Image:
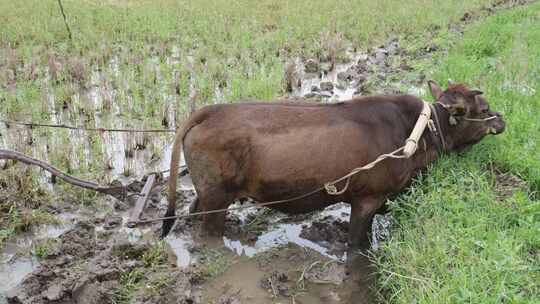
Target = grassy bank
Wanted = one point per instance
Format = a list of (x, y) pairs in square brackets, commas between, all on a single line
[(461, 238)]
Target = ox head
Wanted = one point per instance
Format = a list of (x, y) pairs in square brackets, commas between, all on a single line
[(469, 115)]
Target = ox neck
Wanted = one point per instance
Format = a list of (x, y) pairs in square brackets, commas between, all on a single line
[(440, 128)]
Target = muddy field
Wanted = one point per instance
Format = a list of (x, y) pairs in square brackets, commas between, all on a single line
[(264, 257), (92, 257), (89, 255)]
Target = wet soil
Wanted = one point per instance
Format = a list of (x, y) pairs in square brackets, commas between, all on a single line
[(264, 257), (99, 260), (90, 261), (286, 274)]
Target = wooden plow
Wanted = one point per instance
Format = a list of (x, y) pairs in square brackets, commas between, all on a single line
[(119, 192)]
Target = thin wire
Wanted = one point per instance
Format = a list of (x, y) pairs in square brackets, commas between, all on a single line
[(63, 126)]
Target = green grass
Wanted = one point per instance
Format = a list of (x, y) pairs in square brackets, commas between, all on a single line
[(21, 199), (456, 241), (143, 276), (213, 262), (130, 282)]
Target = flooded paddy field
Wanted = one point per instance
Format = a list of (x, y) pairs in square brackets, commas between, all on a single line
[(265, 256), (38, 265), (439, 242)]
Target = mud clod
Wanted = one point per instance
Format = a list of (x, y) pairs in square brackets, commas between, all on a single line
[(506, 184), (311, 66), (84, 271), (328, 232), (331, 273), (226, 299), (327, 86), (112, 222), (277, 284)]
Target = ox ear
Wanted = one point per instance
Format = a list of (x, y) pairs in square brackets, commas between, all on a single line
[(435, 89)]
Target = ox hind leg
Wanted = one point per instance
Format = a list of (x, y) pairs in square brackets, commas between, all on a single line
[(217, 177), (209, 199), (362, 212)]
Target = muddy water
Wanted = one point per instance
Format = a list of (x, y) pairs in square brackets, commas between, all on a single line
[(280, 263), (291, 274), (289, 233), (17, 258), (285, 279), (13, 270), (303, 257), (380, 70), (290, 261)]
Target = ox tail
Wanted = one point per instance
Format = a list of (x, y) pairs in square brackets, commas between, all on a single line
[(175, 163)]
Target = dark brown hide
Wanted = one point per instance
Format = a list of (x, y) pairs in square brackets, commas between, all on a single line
[(279, 150)]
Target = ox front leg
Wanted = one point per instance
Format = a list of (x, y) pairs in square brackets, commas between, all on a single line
[(362, 212)]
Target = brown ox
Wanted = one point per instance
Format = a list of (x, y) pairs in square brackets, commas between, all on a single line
[(274, 151)]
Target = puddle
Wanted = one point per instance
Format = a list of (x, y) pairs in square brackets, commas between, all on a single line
[(107, 101), (331, 85), (324, 233), (16, 259), (288, 275), (279, 232), (23, 242), (12, 272), (282, 235), (178, 250), (328, 237)]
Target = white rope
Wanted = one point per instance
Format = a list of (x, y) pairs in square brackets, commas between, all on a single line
[(331, 188), (480, 119)]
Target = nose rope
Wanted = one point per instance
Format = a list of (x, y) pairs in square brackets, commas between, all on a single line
[(480, 119), (466, 118)]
